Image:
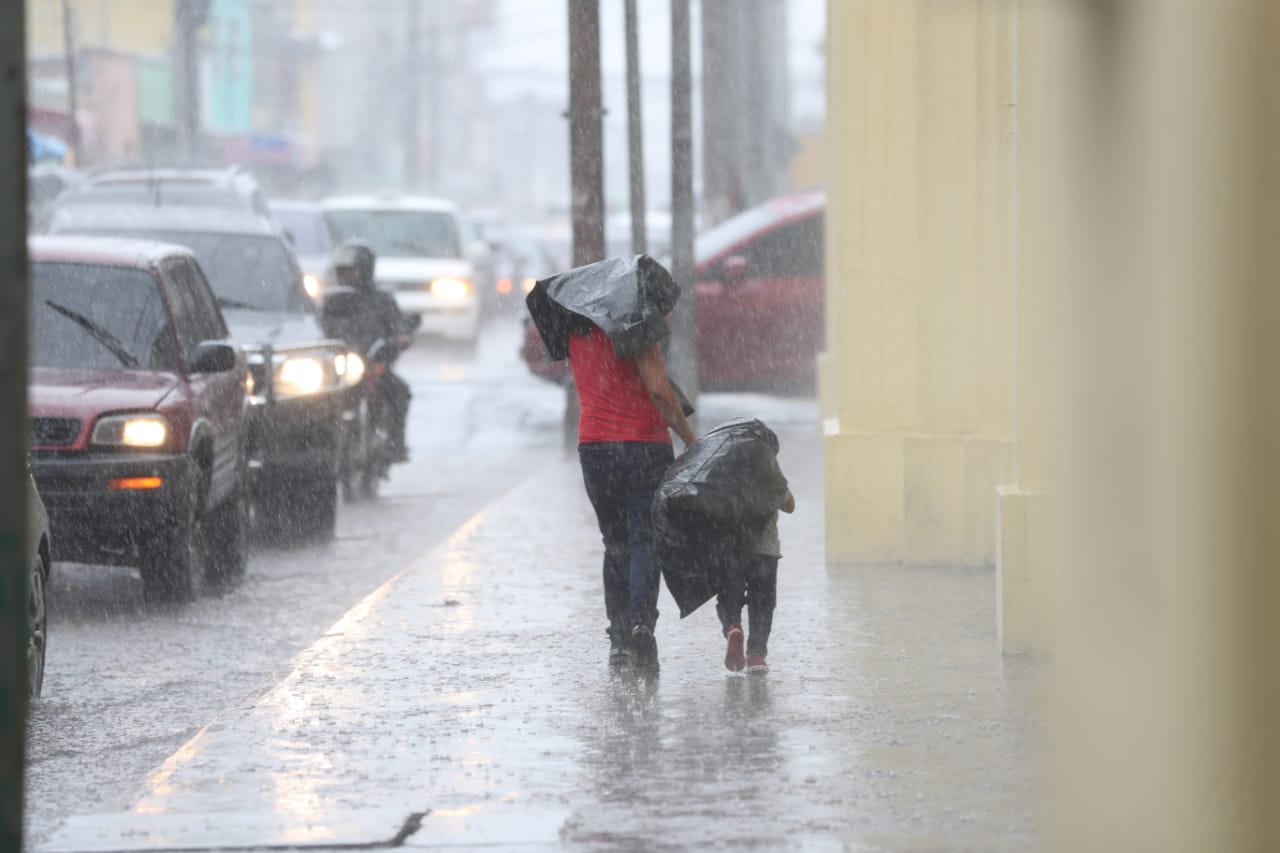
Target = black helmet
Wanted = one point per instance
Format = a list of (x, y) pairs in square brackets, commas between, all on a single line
[(353, 265)]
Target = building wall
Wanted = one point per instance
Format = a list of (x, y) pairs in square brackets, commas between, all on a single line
[(132, 26), (918, 385), (229, 68), (1099, 180)]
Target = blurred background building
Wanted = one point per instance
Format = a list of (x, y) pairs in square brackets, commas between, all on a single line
[(464, 99)]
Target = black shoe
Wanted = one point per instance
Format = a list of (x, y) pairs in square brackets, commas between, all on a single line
[(619, 653), (644, 648)]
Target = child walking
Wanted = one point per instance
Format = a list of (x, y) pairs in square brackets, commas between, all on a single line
[(752, 578)]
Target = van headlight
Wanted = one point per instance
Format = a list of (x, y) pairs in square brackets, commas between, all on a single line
[(451, 288), (138, 432), (311, 284), (299, 376)]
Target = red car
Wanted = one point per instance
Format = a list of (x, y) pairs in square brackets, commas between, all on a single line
[(137, 408), (760, 289)]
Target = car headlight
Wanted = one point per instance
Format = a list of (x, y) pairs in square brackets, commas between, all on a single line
[(297, 377), (350, 366), (311, 284), (136, 431), (450, 288)]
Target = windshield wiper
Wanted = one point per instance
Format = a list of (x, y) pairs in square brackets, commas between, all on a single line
[(109, 341), (236, 303)]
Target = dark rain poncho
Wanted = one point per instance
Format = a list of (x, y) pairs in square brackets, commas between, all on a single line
[(713, 502), (626, 297)]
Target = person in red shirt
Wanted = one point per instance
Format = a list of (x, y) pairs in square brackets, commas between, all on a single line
[(628, 405)]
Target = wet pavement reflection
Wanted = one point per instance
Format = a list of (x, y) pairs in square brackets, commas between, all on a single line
[(473, 690)]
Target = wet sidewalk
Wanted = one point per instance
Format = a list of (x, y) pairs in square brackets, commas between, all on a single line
[(468, 701)]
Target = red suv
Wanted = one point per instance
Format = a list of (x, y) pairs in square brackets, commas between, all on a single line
[(761, 290), (137, 405)]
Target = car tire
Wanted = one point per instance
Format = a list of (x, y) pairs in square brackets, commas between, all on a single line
[(37, 628), (228, 535), (357, 456), (315, 509), (173, 567)]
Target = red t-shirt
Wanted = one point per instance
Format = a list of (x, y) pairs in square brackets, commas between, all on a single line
[(615, 404)]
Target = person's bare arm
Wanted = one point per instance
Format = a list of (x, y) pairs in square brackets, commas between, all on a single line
[(653, 373)]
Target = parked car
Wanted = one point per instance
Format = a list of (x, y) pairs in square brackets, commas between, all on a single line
[(300, 383), (137, 401), (520, 259), (230, 188), (304, 226), (39, 561), (420, 257), (760, 289)]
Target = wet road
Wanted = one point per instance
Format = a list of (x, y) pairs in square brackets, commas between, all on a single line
[(468, 703), (127, 684)]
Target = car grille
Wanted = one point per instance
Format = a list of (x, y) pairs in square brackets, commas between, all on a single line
[(418, 286), (54, 432)]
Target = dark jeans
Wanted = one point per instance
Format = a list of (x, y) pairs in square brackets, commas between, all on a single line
[(621, 478), (754, 579)]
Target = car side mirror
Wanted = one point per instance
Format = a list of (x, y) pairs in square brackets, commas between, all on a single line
[(212, 357), (734, 270)]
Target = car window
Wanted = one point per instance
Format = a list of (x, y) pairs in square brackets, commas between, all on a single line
[(246, 271), (307, 230), (398, 233), (792, 251), (734, 230), (195, 313), (95, 317)]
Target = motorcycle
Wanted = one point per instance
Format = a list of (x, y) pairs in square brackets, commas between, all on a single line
[(367, 451)]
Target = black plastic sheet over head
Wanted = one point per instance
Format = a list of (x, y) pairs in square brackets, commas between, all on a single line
[(712, 505), (628, 298)]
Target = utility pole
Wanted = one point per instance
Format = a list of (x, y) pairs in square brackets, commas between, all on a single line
[(718, 110), (586, 137), (434, 70), (411, 93), (635, 135), (684, 321), (73, 81), (757, 171), (14, 301), (586, 156), (189, 17)]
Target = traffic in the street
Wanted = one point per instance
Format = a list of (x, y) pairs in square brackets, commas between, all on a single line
[(128, 682)]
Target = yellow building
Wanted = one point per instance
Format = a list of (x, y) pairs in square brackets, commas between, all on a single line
[(918, 381), (1051, 346), (133, 26)]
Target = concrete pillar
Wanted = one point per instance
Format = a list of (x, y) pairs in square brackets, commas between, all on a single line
[(1166, 664), (916, 385)]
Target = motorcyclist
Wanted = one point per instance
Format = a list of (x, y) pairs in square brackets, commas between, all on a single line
[(367, 317)]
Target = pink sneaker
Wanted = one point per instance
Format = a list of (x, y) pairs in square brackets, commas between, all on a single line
[(756, 665), (734, 657)]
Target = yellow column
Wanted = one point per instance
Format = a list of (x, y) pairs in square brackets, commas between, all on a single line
[(917, 382), (1167, 654), (1024, 564)]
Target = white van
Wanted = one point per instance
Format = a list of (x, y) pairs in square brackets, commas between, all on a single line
[(421, 259)]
